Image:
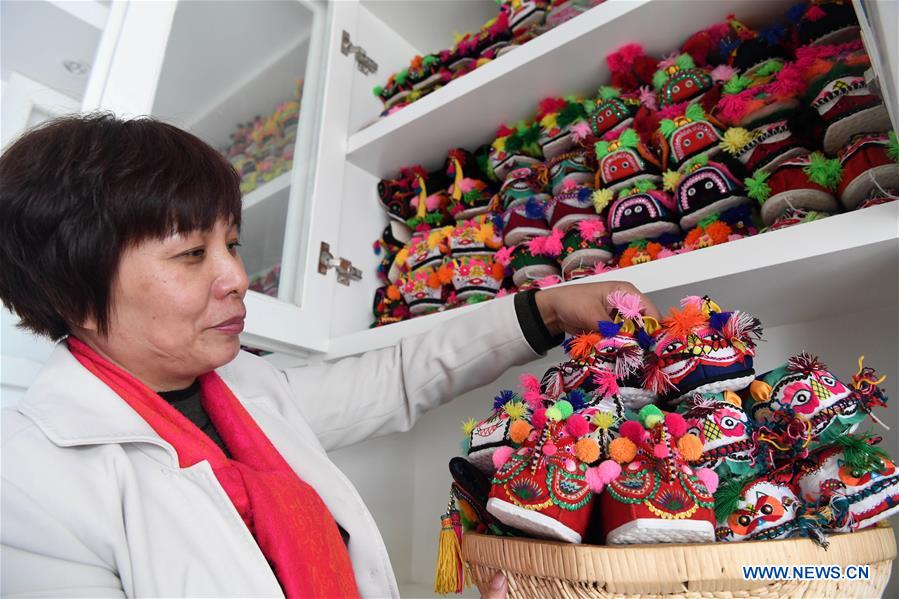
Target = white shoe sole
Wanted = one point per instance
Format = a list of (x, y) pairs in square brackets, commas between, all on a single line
[(655, 530), (531, 521)]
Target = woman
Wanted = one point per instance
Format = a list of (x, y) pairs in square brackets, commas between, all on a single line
[(151, 457)]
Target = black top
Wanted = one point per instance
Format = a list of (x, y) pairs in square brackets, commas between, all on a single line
[(187, 400)]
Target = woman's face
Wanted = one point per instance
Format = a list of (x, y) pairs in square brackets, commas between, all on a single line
[(177, 307)]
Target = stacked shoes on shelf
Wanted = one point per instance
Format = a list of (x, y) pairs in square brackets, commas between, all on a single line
[(262, 149), (657, 432), (735, 133), (516, 22), (439, 250)]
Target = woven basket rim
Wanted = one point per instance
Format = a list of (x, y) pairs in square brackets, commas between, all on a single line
[(699, 563)]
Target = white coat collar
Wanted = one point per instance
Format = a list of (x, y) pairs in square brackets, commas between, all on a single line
[(73, 407)]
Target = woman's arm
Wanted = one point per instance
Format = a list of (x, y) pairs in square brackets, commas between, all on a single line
[(385, 390)]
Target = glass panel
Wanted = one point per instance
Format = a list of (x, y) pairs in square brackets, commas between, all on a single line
[(233, 75)]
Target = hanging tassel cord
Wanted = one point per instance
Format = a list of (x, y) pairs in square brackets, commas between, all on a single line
[(451, 575)]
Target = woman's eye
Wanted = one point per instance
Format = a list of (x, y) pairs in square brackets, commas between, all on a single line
[(232, 247), (194, 253)]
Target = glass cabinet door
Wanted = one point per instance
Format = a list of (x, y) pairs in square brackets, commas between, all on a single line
[(259, 80), (234, 74)]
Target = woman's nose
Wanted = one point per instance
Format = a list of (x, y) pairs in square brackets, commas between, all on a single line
[(231, 277)]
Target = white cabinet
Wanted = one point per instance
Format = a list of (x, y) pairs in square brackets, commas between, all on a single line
[(209, 66)]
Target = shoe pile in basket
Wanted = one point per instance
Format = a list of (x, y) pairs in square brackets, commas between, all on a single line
[(740, 131), (516, 22), (262, 149), (655, 432)]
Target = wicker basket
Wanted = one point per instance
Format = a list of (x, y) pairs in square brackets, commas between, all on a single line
[(547, 569)]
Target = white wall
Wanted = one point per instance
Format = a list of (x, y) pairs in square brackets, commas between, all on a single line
[(424, 486)]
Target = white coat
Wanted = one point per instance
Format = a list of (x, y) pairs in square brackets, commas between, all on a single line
[(94, 503)]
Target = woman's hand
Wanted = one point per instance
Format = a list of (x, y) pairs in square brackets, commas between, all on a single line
[(577, 308), (498, 588)]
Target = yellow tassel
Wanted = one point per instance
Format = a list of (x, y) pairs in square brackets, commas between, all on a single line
[(468, 426), (422, 209), (735, 139), (515, 410), (451, 573), (601, 199), (670, 179), (457, 180), (402, 256)]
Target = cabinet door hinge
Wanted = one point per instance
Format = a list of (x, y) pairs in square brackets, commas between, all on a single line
[(363, 62), (346, 272)]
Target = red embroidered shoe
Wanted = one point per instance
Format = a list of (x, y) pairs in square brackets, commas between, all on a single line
[(542, 488), (869, 163), (652, 495)]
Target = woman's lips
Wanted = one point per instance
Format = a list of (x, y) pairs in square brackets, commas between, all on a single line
[(232, 326)]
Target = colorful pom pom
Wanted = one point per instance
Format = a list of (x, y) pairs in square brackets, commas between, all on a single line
[(675, 424), (633, 430), (577, 426), (501, 455), (554, 413), (622, 450), (539, 418), (601, 199), (708, 478), (519, 431), (690, 447), (564, 408), (651, 415), (587, 450), (661, 450)]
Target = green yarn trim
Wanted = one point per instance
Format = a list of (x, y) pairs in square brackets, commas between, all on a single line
[(823, 171), (736, 84), (659, 79), (756, 188), (667, 127), (378, 90), (695, 112), (601, 148), (572, 112), (607, 92), (860, 454), (684, 62), (402, 76), (893, 147), (770, 67), (629, 138), (727, 497)]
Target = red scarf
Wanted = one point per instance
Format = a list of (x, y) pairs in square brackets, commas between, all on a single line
[(293, 527)]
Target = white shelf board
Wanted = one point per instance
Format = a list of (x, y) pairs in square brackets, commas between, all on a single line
[(266, 191), (569, 59), (844, 263)]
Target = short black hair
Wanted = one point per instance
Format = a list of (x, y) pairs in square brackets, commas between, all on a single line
[(77, 191)]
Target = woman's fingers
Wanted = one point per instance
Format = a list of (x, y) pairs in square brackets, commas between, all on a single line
[(498, 589)]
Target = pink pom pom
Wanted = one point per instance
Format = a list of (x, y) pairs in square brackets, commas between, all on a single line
[(665, 253), (633, 430), (568, 184), (628, 304), (599, 476), (577, 425), (692, 300), (722, 73), (537, 246), (708, 478), (591, 228), (647, 97), (668, 61), (675, 424), (503, 256), (501, 455), (606, 383), (580, 130), (529, 382), (467, 185), (549, 449), (623, 58), (533, 399), (502, 293), (673, 110), (538, 419), (552, 246), (432, 202), (661, 450), (602, 267), (815, 13), (548, 281)]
